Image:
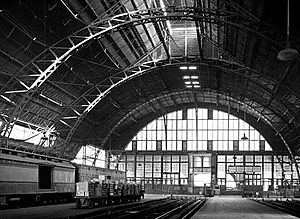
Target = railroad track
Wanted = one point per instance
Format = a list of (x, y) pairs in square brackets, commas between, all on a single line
[(154, 209), (114, 211), (289, 207), (184, 211), (141, 211)]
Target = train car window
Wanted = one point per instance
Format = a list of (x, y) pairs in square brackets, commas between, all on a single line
[(45, 177)]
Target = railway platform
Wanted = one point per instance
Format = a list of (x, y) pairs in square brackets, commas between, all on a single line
[(237, 207)]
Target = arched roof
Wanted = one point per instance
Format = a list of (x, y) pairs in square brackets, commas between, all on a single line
[(98, 71)]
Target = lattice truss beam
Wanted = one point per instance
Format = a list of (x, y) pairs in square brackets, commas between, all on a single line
[(33, 75), (209, 97), (259, 110)]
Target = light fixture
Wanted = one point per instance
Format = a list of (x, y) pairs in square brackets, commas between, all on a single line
[(188, 67), (197, 86), (287, 54), (244, 137), (186, 77), (194, 77), (195, 82), (189, 86), (187, 82)]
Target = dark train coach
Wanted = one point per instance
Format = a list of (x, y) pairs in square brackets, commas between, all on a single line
[(29, 178), (33, 178)]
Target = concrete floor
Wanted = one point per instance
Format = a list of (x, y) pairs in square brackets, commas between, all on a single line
[(237, 207)]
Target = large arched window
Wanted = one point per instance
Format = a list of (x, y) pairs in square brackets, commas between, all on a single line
[(193, 148), (198, 129)]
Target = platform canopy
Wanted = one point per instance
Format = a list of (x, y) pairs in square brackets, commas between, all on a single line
[(97, 71)]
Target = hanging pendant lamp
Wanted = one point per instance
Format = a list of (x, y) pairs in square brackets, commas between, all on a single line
[(244, 137), (287, 54), (244, 103)]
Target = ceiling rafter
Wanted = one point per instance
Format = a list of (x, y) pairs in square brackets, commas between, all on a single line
[(212, 27)]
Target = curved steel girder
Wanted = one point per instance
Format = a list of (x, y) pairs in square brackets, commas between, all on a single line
[(53, 56), (46, 63), (223, 66), (221, 96), (225, 98), (61, 51), (49, 60), (139, 71)]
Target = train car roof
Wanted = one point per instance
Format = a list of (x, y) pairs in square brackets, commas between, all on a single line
[(55, 162), (102, 168)]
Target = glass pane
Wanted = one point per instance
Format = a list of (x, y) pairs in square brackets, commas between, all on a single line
[(223, 133), (157, 158), (206, 162), (148, 158)]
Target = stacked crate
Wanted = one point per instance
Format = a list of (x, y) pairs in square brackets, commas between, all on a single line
[(118, 189), (131, 189), (111, 189), (92, 189), (126, 189), (137, 189), (105, 189), (99, 190)]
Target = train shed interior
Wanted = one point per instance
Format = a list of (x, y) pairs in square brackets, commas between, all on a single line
[(171, 98)]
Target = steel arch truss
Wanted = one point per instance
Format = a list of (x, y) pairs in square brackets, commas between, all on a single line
[(105, 87), (35, 73), (223, 99), (42, 66)]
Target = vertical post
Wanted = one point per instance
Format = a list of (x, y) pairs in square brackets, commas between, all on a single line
[(166, 128), (108, 159), (84, 155), (204, 191), (171, 185)]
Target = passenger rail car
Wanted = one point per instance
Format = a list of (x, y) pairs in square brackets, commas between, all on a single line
[(32, 178), (28, 178)]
